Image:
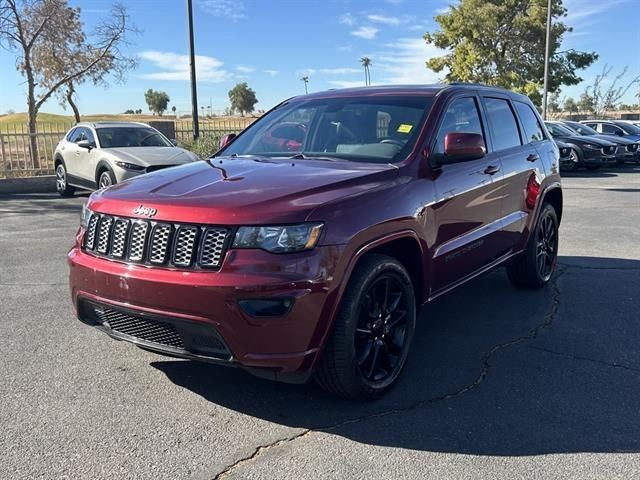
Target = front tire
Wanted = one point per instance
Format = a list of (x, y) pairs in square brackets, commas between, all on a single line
[(372, 333), (106, 179), (535, 266), (62, 183)]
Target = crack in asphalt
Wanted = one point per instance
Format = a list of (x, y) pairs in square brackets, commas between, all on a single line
[(486, 368), (584, 359)]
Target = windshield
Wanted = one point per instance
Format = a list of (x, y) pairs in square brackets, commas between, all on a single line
[(366, 129), (581, 128), (115, 137), (629, 128), (557, 130)]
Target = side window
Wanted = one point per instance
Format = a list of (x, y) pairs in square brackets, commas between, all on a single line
[(73, 135), (503, 124), (594, 126), (88, 135), (612, 129), (461, 116), (530, 124)]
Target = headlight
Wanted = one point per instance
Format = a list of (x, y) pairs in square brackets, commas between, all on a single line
[(84, 217), (129, 166), (279, 239)]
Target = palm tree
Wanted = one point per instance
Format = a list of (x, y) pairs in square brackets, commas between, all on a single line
[(305, 79), (366, 62)]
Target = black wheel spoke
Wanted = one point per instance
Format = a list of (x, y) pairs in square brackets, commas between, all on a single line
[(362, 358), (375, 359)]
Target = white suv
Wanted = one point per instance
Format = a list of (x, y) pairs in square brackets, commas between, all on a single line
[(100, 154)]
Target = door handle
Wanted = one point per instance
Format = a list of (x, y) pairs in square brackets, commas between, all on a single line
[(533, 157), (491, 170)]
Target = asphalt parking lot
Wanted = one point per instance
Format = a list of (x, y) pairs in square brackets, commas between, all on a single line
[(501, 383)]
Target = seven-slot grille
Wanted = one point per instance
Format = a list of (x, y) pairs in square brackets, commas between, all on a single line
[(156, 243)]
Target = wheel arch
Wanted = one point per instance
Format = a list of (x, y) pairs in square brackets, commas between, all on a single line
[(102, 166), (553, 196)]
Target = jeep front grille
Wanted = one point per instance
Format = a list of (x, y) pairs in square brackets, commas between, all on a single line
[(156, 243)]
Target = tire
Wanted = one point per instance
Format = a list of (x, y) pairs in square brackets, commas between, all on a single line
[(366, 353), (575, 160), (106, 178), (62, 184), (526, 270)]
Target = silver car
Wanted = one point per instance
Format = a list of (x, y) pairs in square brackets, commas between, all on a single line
[(100, 154)]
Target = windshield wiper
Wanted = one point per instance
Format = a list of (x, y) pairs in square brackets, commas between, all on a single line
[(302, 156)]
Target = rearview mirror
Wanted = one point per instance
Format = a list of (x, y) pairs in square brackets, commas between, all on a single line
[(226, 139), (459, 147), (85, 144)]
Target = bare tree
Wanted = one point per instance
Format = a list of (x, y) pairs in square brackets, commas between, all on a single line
[(606, 95), (52, 51)]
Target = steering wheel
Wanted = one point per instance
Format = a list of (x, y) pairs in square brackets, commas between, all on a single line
[(392, 142)]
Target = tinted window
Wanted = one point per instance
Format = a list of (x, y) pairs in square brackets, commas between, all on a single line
[(557, 130), (114, 137), (73, 135), (503, 124), (629, 128), (461, 116), (606, 128), (581, 128), (88, 135), (366, 129), (530, 124)]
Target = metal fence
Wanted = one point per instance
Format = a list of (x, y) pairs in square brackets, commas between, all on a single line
[(16, 159)]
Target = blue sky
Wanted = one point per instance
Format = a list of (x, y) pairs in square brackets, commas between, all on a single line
[(271, 43)]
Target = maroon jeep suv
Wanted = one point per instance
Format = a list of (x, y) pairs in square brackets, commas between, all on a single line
[(305, 247)]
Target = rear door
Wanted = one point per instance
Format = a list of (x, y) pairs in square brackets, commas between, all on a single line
[(467, 209), (520, 165)]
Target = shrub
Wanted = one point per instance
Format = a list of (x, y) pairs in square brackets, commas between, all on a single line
[(205, 146)]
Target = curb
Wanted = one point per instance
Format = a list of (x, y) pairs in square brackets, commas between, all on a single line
[(43, 184)]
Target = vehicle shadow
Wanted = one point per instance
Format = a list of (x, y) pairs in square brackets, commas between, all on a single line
[(37, 203), (493, 371)]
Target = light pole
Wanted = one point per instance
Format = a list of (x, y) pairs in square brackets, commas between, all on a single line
[(546, 63), (192, 64)]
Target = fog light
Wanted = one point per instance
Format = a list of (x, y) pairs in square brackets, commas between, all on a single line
[(266, 307)]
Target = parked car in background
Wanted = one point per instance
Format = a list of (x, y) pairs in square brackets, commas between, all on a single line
[(589, 152), (100, 154), (306, 246), (628, 150), (565, 152), (619, 128)]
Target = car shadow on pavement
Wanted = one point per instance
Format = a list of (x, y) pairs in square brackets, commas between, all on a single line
[(493, 371)]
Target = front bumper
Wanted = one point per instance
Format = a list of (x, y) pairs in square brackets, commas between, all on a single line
[(206, 304), (596, 157)]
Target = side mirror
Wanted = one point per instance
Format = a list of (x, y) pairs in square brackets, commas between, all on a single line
[(174, 142), (620, 133), (459, 147), (85, 144), (226, 139)]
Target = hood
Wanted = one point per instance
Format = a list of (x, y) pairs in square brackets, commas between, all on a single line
[(616, 139), (228, 191), (586, 139), (147, 156)]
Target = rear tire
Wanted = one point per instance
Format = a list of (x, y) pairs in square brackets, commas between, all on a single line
[(62, 183), (535, 266), (372, 333)]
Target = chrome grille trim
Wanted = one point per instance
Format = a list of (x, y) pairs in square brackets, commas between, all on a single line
[(213, 245), (156, 243)]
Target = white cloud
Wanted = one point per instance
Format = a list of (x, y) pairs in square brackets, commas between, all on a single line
[(339, 71), (403, 62), (174, 66), (347, 83), (384, 19), (232, 9), (273, 73), (347, 19), (367, 33), (245, 69)]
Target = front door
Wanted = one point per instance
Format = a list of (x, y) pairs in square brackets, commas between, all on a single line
[(468, 207)]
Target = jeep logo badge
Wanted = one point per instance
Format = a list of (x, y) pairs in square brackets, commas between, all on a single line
[(145, 211)]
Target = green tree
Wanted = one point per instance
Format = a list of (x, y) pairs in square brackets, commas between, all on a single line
[(570, 105), (502, 42), (585, 102), (53, 52), (242, 98), (157, 101)]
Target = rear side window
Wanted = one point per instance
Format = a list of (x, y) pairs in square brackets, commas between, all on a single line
[(461, 116), (503, 124), (530, 124)]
